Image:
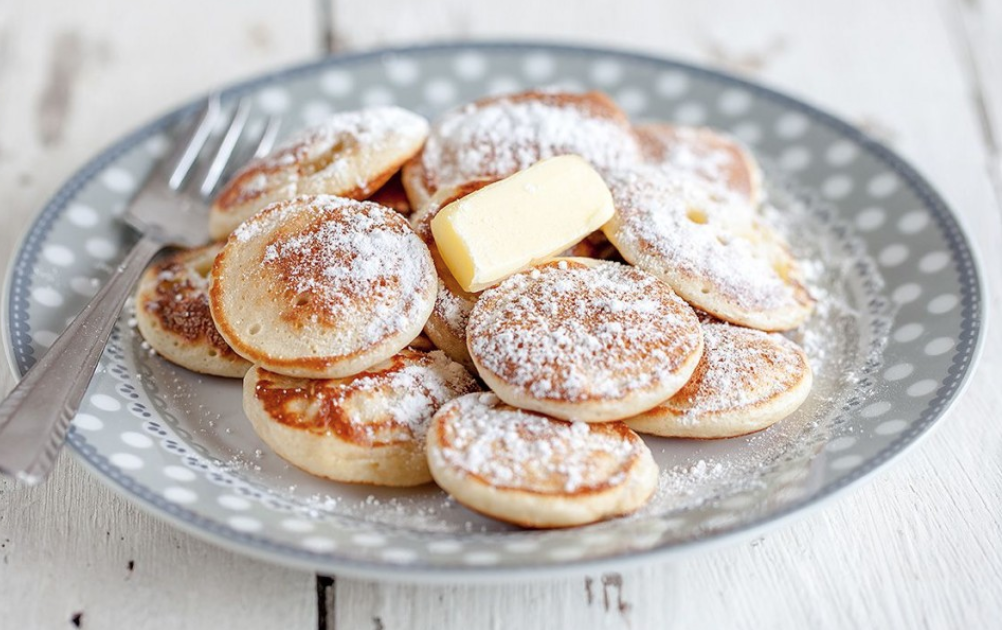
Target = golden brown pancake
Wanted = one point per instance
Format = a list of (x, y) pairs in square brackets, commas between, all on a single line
[(172, 313), (322, 287), (535, 471), (746, 381), (352, 154), (367, 428), (583, 339), (499, 136), (715, 253), (708, 156)]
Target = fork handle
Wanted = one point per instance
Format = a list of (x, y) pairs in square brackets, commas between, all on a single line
[(35, 416)]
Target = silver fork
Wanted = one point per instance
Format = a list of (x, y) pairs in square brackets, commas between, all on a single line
[(35, 416)]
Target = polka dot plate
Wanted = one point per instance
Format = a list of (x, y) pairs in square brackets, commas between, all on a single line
[(894, 338)]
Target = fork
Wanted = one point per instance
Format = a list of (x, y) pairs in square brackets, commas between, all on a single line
[(170, 209)]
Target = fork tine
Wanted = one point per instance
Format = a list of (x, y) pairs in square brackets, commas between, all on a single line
[(268, 136), (226, 146), (261, 137), (185, 153)]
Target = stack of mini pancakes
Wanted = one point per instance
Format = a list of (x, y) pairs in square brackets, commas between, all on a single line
[(364, 360)]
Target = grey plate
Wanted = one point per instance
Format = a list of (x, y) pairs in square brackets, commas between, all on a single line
[(894, 339)]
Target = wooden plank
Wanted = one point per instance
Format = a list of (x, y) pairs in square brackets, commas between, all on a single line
[(75, 76), (976, 25), (917, 547)]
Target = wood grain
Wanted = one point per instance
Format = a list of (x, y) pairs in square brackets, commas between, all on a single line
[(74, 77)]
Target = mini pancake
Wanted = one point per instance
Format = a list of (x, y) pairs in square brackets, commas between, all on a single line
[(322, 287), (715, 253), (172, 313), (499, 136), (367, 428), (713, 158), (584, 339), (746, 381), (350, 155), (534, 471), (446, 326)]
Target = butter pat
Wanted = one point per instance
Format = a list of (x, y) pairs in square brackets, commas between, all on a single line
[(521, 220)]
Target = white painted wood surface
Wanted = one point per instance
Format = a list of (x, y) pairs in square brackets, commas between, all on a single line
[(74, 77), (918, 547)]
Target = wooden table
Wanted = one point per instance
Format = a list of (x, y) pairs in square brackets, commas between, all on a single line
[(919, 547)]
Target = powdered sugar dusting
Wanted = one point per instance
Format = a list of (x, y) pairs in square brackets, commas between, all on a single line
[(567, 331), (739, 367), (392, 402), (682, 232), (501, 137), (354, 262), (419, 388), (843, 340), (346, 148), (350, 154), (703, 155), (517, 449), (453, 309)]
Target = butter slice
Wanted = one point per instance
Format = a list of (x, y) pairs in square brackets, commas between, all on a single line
[(521, 220)]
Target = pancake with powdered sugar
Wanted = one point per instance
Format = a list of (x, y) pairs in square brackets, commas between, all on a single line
[(367, 428), (746, 381), (719, 161), (351, 154), (531, 470), (498, 136), (172, 313), (446, 327), (715, 252), (322, 287), (584, 339)]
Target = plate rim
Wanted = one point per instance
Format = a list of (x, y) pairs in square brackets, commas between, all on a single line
[(973, 324)]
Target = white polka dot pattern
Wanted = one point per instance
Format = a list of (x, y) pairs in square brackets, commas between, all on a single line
[(734, 102), (47, 296), (273, 100), (59, 255), (319, 544), (795, 158), (177, 494), (672, 84), (82, 216), (841, 153), (690, 114), (870, 219), (119, 180), (402, 71), (440, 92), (337, 83)]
